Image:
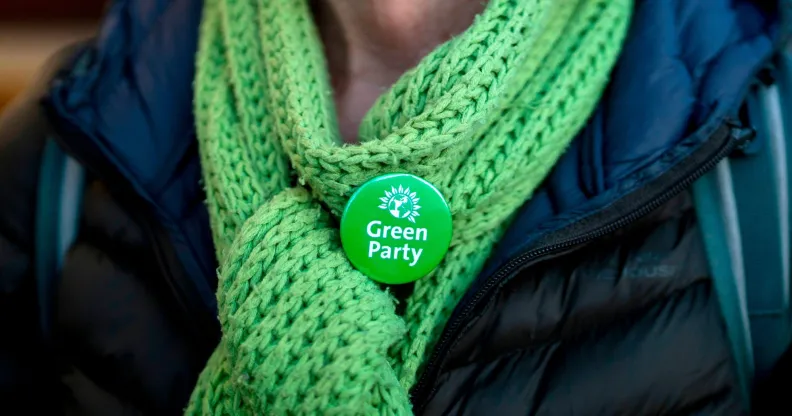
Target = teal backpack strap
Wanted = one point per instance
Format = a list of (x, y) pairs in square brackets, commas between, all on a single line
[(58, 207), (744, 213), (716, 209), (761, 186)]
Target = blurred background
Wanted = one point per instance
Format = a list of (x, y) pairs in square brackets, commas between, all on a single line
[(32, 30)]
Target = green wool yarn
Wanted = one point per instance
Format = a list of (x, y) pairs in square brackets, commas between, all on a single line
[(484, 117)]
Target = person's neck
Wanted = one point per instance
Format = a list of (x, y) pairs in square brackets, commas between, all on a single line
[(369, 44)]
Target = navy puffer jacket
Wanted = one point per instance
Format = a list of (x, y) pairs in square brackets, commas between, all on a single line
[(600, 299)]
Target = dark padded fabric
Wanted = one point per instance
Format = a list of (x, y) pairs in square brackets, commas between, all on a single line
[(629, 325), (121, 343), (25, 361), (125, 109), (120, 332)]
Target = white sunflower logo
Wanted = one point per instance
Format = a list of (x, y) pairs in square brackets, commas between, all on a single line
[(401, 203)]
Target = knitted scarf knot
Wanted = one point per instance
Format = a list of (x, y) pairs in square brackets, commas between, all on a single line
[(484, 117)]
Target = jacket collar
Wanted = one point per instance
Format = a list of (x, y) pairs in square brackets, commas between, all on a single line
[(125, 110)]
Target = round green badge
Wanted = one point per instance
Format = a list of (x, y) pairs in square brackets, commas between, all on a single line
[(396, 228)]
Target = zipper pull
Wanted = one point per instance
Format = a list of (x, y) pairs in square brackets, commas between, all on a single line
[(743, 135)]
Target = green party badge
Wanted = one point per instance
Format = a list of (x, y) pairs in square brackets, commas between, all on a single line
[(396, 228)]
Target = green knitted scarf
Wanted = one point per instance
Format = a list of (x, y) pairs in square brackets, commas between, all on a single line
[(484, 117)]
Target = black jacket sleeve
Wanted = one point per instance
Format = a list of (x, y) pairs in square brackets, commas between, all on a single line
[(119, 344), (25, 372), (28, 371)]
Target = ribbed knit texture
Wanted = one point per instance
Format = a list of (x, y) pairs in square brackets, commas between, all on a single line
[(484, 117)]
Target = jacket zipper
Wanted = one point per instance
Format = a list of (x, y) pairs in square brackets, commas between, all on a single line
[(738, 137)]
